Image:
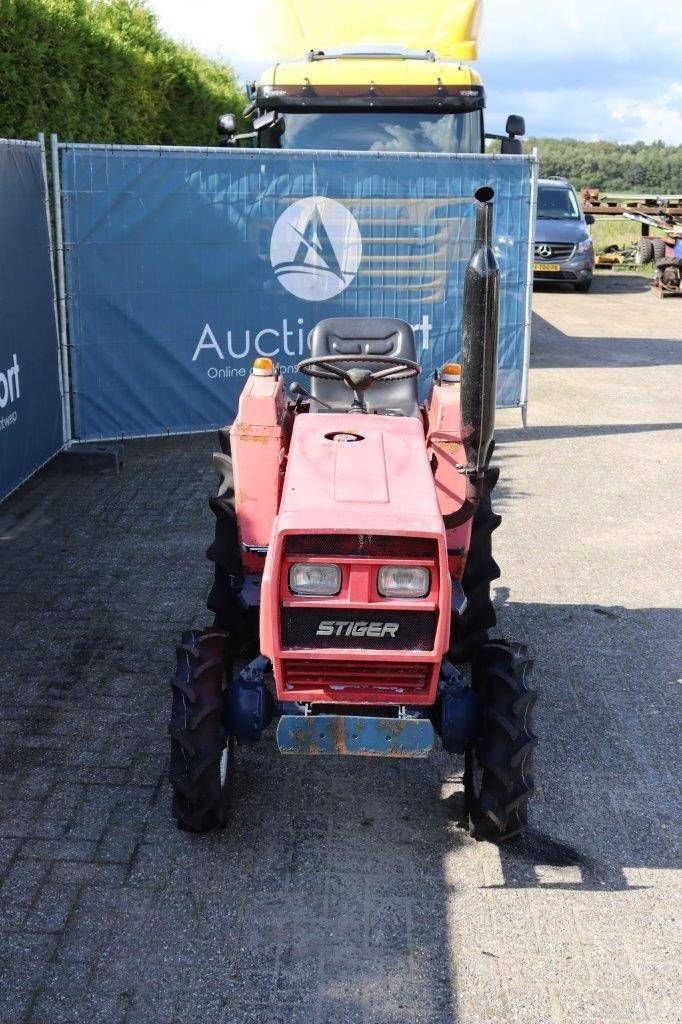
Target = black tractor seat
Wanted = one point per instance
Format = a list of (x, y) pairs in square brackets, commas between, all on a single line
[(365, 336)]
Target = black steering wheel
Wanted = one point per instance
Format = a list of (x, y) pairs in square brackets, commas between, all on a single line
[(357, 378)]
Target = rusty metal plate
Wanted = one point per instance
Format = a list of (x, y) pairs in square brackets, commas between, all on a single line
[(358, 735)]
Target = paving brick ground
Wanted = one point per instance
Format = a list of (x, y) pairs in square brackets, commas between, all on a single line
[(345, 891)]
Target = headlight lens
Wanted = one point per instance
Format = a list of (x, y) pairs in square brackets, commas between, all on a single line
[(584, 245), (403, 581), (315, 580)]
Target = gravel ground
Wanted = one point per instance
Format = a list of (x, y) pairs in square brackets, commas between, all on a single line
[(345, 890)]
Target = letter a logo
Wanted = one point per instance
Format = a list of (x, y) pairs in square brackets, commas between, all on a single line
[(316, 248)]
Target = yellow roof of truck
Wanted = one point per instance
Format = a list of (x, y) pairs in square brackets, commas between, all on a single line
[(384, 70), (448, 28)]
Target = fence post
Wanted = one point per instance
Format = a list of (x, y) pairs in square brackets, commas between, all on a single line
[(529, 288), (50, 234), (64, 364)]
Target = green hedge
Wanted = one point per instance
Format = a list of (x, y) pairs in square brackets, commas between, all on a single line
[(102, 71)]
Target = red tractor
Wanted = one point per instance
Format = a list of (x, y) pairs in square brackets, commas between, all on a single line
[(353, 565)]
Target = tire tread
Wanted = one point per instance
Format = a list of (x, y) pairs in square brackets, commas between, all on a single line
[(504, 750)]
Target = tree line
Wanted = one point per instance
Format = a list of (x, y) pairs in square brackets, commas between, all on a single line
[(102, 71), (612, 166)]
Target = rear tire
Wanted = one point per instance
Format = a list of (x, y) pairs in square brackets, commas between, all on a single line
[(498, 771), (644, 251), (659, 248), (470, 630), (224, 599), (201, 755)]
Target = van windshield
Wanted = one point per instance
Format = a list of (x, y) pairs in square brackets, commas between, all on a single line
[(381, 131), (557, 203)]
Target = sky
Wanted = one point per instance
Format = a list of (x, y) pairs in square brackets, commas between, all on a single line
[(609, 69)]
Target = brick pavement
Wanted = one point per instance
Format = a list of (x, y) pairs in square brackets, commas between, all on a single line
[(345, 891)]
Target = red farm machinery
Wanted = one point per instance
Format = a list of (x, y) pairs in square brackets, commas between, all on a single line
[(353, 563)]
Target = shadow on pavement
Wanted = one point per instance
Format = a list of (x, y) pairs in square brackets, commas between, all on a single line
[(505, 435), (550, 347), (607, 724), (602, 284)]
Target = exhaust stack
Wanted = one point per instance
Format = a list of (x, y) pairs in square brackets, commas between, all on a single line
[(480, 317)]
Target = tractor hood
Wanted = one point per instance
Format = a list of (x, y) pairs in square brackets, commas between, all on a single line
[(380, 482), (291, 28)]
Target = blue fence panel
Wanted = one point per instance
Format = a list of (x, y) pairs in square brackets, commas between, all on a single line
[(184, 265), (30, 403)]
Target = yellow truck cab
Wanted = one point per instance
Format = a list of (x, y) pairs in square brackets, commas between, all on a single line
[(412, 94)]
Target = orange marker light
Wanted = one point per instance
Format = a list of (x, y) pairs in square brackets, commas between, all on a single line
[(452, 373), (263, 367)]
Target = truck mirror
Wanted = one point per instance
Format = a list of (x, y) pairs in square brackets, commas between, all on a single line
[(516, 125), (589, 218), (226, 124), (267, 120), (513, 146)]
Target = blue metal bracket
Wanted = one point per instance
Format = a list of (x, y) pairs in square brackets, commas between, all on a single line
[(248, 706), (250, 592), (457, 711), (358, 735), (458, 601)]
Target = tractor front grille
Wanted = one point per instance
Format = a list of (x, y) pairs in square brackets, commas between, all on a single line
[(361, 545), (389, 678), (366, 629)]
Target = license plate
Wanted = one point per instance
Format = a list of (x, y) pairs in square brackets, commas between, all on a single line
[(551, 267)]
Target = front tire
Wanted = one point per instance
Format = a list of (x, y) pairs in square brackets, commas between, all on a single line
[(498, 771), (201, 755), (584, 286)]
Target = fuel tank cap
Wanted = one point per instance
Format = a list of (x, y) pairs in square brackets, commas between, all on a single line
[(342, 436)]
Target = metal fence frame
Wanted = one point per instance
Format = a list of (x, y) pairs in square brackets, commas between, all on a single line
[(529, 292), (61, 300), (60, 290), (39, 142)]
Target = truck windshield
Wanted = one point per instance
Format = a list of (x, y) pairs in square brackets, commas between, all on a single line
[(380, 131), (557, 203)]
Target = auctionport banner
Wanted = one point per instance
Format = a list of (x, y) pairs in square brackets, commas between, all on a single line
[(183, 266), (30, 405)]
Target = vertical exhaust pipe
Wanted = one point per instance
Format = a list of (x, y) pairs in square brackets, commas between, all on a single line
[(478, 389), (480, 316)]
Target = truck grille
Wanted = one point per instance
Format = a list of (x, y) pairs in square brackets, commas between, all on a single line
[(367, 629), (558, 251), (332, 676)]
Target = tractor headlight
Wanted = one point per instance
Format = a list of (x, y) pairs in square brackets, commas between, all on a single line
[(403, 581), (585, 245), (314, 580)]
